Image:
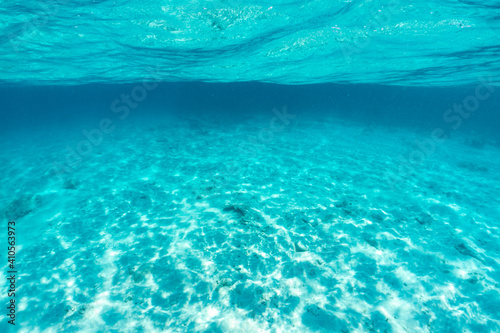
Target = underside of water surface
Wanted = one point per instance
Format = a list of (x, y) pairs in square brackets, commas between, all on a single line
[(432, 43), (258, 166)]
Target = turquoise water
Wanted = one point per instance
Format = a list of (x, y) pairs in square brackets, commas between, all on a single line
[(435, 43), (229, 166)]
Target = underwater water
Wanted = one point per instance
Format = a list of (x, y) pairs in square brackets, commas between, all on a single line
[(271, 166)]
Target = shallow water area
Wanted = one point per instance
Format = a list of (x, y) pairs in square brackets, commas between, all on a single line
[(260, 166), (301, 234)]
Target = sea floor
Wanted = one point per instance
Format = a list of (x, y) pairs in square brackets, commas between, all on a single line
[(248, 225)]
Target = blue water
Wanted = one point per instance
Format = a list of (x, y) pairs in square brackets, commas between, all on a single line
[(436, 43), (272, 166)]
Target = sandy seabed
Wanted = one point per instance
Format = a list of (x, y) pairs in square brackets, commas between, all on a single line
[(202, 225)]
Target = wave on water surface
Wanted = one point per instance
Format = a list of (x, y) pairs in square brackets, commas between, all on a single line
[(287, 42)]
